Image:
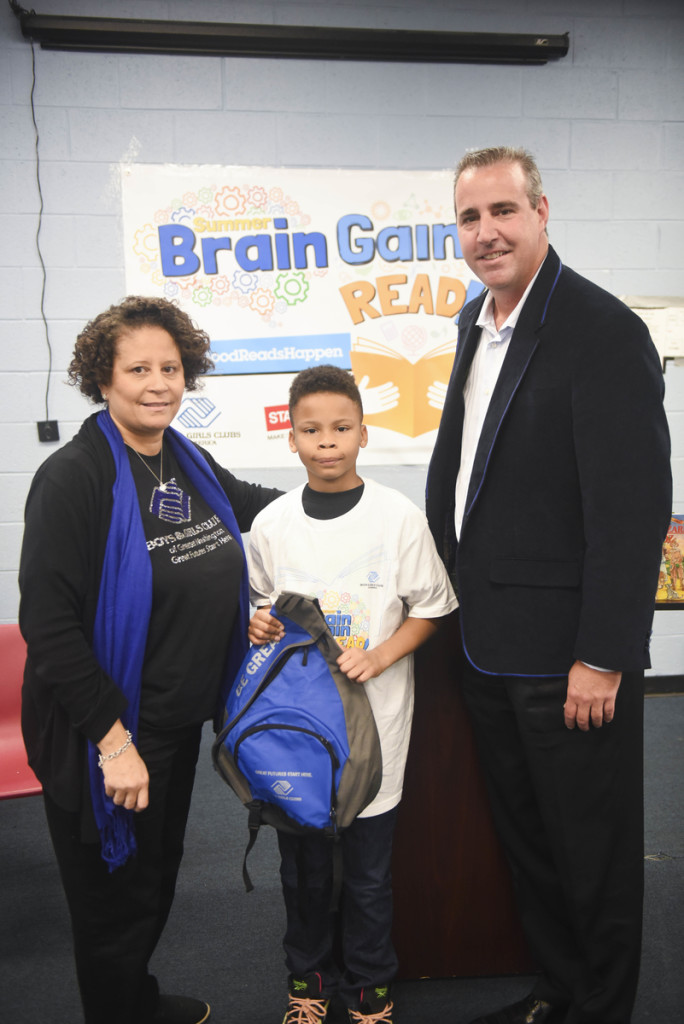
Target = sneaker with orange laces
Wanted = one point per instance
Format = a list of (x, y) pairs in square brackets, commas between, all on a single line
[(375, 1007), (306, 1004)]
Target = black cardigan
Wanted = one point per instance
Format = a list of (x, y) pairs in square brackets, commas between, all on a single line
[(67, 698)]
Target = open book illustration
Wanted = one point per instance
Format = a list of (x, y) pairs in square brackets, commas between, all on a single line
[(671, 580), (415, 388)]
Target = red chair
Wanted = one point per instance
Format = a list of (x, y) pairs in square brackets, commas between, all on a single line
[(16, 778)]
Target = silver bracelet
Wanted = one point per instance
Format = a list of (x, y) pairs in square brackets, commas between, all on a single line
[(115, 753)]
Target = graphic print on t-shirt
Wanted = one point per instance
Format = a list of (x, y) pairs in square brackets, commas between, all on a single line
[(347, 617), (192, 541), (350, 599), (170, 503)]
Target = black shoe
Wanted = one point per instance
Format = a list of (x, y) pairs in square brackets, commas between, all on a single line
[(529, 1010), (180, 1010)]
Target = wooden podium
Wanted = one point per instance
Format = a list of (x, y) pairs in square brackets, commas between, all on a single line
[(454, 914)]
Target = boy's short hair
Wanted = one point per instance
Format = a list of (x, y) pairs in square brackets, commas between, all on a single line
[(325, 377)]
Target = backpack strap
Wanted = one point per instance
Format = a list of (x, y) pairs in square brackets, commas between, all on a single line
[(253, 824)]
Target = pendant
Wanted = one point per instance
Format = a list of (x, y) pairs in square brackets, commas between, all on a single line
[(170, 503)]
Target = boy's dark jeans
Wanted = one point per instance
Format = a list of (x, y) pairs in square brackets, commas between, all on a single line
[(352, 949)]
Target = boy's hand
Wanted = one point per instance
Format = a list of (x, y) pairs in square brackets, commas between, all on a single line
[(264, 628), (361, 665)]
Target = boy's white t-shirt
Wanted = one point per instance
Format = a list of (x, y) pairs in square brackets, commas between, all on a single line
[(369, 569)]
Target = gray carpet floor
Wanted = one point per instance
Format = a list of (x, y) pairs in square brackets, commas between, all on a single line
[(223, 945)]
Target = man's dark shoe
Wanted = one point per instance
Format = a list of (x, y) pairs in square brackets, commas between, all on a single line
[(529, 1010), (180, 1010)]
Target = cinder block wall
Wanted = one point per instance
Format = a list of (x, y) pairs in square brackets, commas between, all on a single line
[(606, 124)]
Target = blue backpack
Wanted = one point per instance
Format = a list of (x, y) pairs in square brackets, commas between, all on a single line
[(299, 745)]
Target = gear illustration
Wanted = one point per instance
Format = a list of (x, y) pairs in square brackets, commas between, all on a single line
[(202, 296), (293, 288)]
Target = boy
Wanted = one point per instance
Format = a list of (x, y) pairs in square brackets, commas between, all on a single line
[(366, 553)]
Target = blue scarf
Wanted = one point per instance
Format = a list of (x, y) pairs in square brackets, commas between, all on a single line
[(124, 607)]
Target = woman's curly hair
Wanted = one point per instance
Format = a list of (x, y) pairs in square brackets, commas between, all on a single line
[(95, 350)]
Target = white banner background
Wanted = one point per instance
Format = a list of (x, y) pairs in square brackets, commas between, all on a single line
[(288, 268)]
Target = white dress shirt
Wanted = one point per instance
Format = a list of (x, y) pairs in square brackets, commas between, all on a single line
[(477, 393)]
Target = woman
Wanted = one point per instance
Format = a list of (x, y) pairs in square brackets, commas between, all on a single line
[(134, 608)]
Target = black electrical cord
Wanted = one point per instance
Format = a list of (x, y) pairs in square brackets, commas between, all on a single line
[(38, 230), (19, 10)]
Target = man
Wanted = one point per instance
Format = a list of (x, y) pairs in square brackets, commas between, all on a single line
[(551, 522)]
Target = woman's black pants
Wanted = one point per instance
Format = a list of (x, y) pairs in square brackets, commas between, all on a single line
[(118, 917)]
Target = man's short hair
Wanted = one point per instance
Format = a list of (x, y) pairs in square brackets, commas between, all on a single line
[(331, 379), (505, 154)]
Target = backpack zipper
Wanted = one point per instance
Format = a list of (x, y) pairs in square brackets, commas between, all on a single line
[(325, 743), (283, 657)]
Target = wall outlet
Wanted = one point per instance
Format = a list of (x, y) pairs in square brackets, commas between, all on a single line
[(48, 430)]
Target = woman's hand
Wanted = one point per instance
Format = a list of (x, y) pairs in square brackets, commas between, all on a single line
[(264, 628), (126, 779)]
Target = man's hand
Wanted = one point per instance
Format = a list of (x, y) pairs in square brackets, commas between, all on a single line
[(264, 628), (591, 696)]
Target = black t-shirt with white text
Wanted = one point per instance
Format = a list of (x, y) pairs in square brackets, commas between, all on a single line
[(196, 572)]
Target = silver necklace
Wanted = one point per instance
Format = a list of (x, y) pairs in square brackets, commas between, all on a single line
[(160, 478), (169, 502)]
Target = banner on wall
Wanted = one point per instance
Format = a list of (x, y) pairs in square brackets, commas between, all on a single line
[(293, 268)]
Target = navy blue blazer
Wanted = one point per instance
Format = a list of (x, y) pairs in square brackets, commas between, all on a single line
[(570, 496)]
